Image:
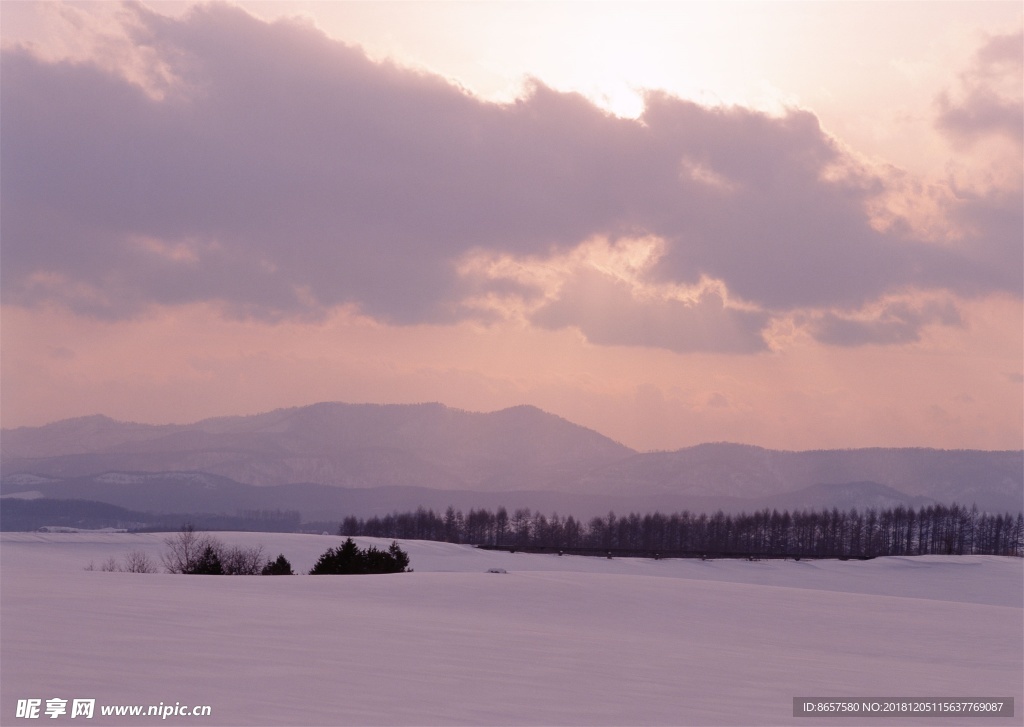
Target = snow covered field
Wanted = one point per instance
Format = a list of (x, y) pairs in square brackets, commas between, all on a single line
[(555, 641)]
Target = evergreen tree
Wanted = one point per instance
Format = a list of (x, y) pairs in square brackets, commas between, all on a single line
[(349, 560), (399, 557), (208, 563), (279, 567)]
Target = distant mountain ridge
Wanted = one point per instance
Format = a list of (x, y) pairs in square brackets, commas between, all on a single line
[(351, 445), (739, 470), (362, 458)]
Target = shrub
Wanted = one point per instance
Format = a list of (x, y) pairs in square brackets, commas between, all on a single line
[(138, 561), (238, 561), (189, 551), (185, 549)]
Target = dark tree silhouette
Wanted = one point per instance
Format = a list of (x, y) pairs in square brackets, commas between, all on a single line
[(208, 563), (348, 559), (934, 529), (279, 567)]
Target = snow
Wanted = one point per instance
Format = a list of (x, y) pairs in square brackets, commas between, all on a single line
[(27, 495), (25, 478), (557, 641)]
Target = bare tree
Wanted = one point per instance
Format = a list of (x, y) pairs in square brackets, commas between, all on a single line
[(189, 551), (185, 549), (138, 561), (238, 561)]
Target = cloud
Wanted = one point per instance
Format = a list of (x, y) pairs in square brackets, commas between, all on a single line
[(990, 99), (604, 290), (608, 311), (279, 173), (896, 322), (984, 120)]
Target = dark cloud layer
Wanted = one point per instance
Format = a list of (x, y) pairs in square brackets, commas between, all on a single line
[(898, 322), (282, 173)]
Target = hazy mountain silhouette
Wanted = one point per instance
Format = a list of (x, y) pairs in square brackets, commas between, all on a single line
[(190, 492), (352, 445), (333, 459), (992, 479)]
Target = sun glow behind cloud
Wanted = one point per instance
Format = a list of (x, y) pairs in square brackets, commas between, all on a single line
[(825, 239)]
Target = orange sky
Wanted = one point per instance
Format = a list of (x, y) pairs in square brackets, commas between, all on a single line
[(791, 225)]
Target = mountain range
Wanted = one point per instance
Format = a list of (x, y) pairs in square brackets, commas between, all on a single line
[(330, 460)]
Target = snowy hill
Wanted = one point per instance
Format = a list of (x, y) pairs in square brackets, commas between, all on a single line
[(554, 640)]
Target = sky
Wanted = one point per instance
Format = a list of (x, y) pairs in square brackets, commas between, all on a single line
[(794, 225)]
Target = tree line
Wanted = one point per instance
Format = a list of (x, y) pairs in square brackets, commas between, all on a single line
[(193, 552), (928, 530)]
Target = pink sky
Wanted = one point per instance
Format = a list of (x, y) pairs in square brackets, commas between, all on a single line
[(791, 225)]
